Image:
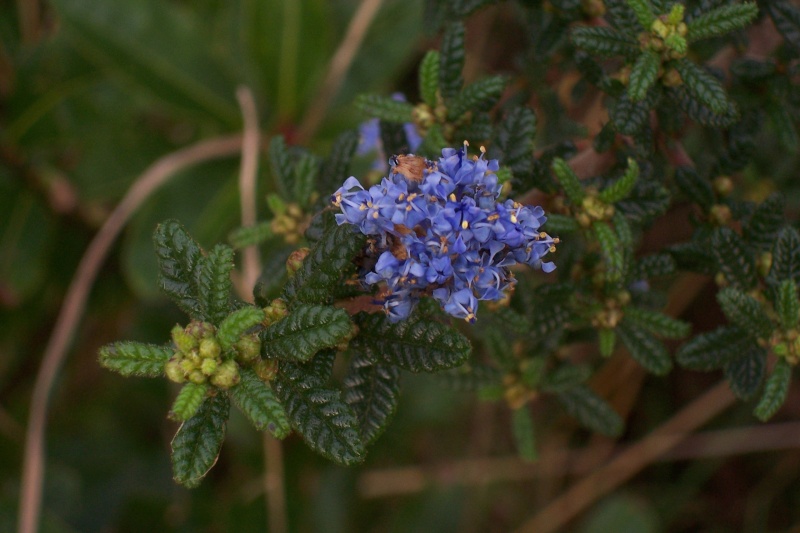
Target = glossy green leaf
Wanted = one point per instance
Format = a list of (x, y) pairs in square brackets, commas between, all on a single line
[(703, 86), (478, 96), (179, 261), (524, 434), (657, 323), (327, 263), (775, 391), (623, 186), (746, 374), (514, 138), (569, 181), (429, 78), (603, 41), (613, 256), (645, 348), (188, 401), (721, 20), (214, 282), (236, 324), (451, 60), (643, 75), (259, 404), (384, 108), (745, 312), (372, 390), (416, 344), (591, 411), (629, 116), (135, 358), (715, 349), (197, 443), (307, 330)]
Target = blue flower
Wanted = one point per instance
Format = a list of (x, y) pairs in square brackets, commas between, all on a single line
[(438, 230)]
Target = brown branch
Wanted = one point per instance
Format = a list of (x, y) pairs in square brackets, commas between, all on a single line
[(75, 303)]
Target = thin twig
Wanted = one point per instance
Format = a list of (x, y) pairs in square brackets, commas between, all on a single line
[(339, 65), (75, 302)]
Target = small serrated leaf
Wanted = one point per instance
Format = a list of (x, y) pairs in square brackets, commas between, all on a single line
[(429, 77), (775, 391), (786, 256), (629, 116), (591, 411), (762, 228), (694, 187), (603, 41), (514, 138), (746, 374), (565, 377), (657, 323), (703, 86), (188, 401), (197, 443), (214, 282), (307, 330), (524, 434), (645, 348), (652, 266), (236, 324), (643, 75), (259, 404), (622, 187), (498, 348), (733, 258), (745, 312), (786, 17), (721, 20), (135, 358), (613, 256), (569, 181), (179, 258), (451, 60), (644, 12), (384, 108), (305, 176), (715, 349), (416, 344), (787, 305), (478, 96), (372, 390)]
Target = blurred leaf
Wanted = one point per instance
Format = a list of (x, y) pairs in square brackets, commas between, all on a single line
[(703, 86), (786, 256), (694, 187), (775, 391), (613, 252), (569, 181), (745, 312), (721, 20), (622, 513), (787, 304), (761, 229), (734, 258), (384, 108), (746, 374), (657, 323), (197, 443), (372, 390), (307, 330), (565, 377), (643, 75), (335, 167), (429, 78), (603, 41), (451, 60), (786, 17), (715, 349), (591, 411), (524, 434), (645, 348), (478, 96), (258, 403)]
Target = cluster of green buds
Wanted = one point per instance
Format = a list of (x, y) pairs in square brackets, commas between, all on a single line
[(592, 208), (199, 357), (290, 220), (667, 38), (786, 344), (425, 117), (613, 309)]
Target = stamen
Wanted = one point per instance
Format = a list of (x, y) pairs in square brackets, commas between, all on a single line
[(464, 224)]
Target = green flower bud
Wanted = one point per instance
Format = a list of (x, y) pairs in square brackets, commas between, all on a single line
[(295, 260), (208, 366), (174, 371), (676, 14), (227, 375), (266, 369), (188, 366), (210, 348), (197, 377), (183, 340), (200, 330), (248, 348), (275, 311), (659, 28)]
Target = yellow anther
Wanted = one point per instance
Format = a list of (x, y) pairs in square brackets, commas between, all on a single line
[(464, 224)]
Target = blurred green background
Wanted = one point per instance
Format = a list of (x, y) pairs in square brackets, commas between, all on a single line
[(94, 91)]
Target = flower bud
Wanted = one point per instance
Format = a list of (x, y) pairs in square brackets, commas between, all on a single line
[(247, 348), (723, 185), (197, 377), (200, 330), (227, 375), (266, 369), (210, 348), (187, 365), (208, 366), (295, 260), (183, 340), (174, 371), (275, 311), (720, 215)]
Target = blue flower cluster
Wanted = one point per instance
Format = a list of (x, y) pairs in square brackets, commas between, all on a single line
[(436, 228)]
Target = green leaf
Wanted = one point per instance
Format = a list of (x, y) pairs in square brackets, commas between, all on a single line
[(307, 330), (603, 41), (733, 258), (591, 411), (745, 312), (509, 319), (721, 20), (471, 377), (280, 162), (613, 253), (700, 112), (629, 117), (335, 167), (560, 224), (645, 348), (783, 126), (565, 377), (197, 443), (715, 349), (179, 259), (478, 96), (606, 339), (250, 235), (188, 401), (652, 266), (514, 138), (388, 109), (236, 324), (416, 344), (621, 188), (524, 434), (259, 404), (787, 305), (135, 358), (647, 201), (451, 60), (327, 263), (214, 282), (746, 374), (372, 390), (569, 181), (433, 143), (532, 372), (305, 177), (657, 323), (695, 188), (429, 78), (762, 228), (498, 348), (327, 424), (643, 75), (703, 86), (644, 12), (786, 256), (786, 17), (775, 391)]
